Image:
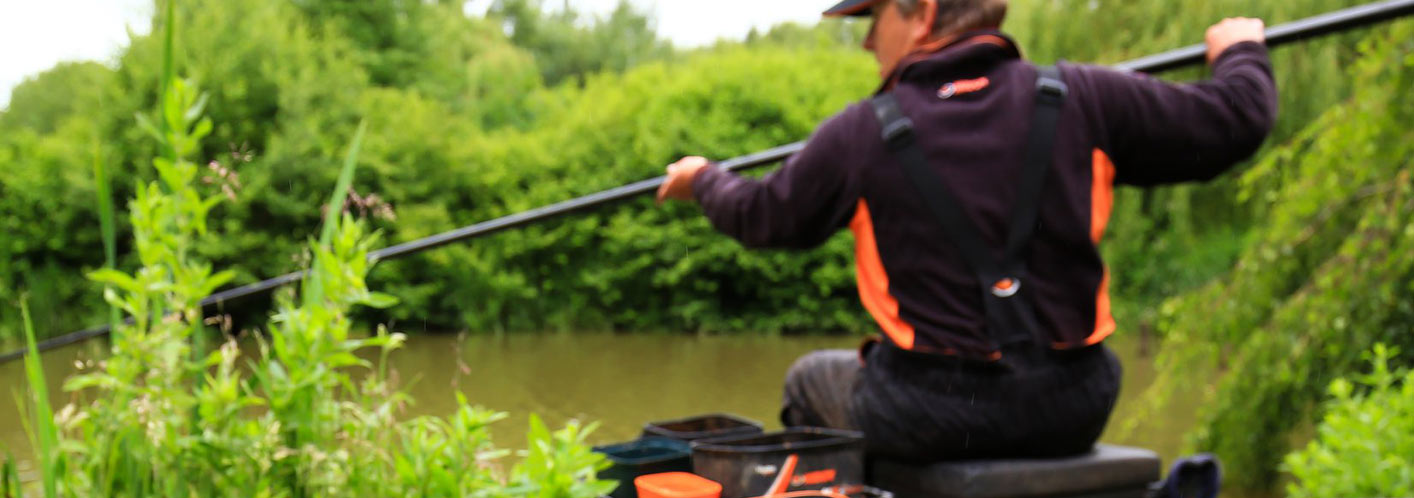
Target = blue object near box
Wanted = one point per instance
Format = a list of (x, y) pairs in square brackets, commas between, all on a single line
[(645, 456)]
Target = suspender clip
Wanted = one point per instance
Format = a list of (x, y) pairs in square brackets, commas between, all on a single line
[(1006, 287), (1051, 88), (898, 129)]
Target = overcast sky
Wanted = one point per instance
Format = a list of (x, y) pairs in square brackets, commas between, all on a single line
[(36, 34)]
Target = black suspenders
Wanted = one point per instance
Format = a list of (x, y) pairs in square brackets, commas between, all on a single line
[(1010, 317)]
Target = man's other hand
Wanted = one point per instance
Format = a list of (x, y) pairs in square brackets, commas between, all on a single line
[(1232, 31), (678, 185)]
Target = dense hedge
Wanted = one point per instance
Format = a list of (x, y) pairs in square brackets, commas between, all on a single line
[(635, 266)]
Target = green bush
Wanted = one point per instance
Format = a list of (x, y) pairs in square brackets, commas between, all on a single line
[(1325, 276), (631, 267), (1364, 445), (164, 415)]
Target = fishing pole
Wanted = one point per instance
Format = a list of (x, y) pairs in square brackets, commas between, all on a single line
[(1192, 55)]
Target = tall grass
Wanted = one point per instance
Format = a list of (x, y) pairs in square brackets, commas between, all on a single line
[(105, 221), (44, 432), (165, 416), (9, 477)]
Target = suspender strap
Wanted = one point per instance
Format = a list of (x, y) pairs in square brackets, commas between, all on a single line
[(1010, 316), (1040, 141), (902, 142)]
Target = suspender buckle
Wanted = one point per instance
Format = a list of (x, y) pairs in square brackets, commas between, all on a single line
[(898, 129), (1006, 287), (1051, 88)]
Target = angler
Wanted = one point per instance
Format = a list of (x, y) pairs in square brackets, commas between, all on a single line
[(978, 186)]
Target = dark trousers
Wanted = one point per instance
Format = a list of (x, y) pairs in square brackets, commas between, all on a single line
[(922, 408)]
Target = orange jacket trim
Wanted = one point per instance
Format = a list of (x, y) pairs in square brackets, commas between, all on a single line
[(873, 281), (1101, 206)]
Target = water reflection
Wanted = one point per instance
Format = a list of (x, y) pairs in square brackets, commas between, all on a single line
[(620, 380)]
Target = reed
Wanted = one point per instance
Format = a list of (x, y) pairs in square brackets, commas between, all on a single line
[(44, 433)]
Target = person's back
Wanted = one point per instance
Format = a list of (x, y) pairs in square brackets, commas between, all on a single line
[(943, 383)]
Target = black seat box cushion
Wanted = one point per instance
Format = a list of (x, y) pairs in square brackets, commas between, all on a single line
[(1107, 471)]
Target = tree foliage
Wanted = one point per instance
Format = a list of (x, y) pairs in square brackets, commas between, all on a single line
[(569, 47), (40, 104), (1326, 275)]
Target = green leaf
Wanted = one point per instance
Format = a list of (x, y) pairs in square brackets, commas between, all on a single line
[(344, 360), (334, 208), (216, 281), (105, 222), (117, 279), (380, 300), (81, 382), (314, 285), (195, 111), (145, 124), (203, 127)]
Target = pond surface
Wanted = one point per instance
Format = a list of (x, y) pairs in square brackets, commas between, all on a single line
[(620, 380)]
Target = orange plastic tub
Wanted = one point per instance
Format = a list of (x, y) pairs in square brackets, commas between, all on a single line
[(676, 485)]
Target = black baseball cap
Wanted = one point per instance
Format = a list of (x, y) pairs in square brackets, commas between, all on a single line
[(853, 8)]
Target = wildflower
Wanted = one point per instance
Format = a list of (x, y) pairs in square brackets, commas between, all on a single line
[(227, 178), (69, 416), (283, 453), (371, 203), (222, 322)]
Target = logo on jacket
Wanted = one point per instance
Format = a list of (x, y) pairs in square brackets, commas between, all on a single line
[(962, 87)]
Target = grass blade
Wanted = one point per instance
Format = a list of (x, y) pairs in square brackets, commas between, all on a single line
[(313, 288), (169, 76), (9, 477), (341, 188), (48, 435), (105, 221), (168, 71)]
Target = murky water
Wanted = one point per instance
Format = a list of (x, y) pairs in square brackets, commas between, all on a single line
[(619, 380)]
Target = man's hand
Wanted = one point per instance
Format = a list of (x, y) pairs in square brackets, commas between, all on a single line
[(678, 185), (1232, 31)]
